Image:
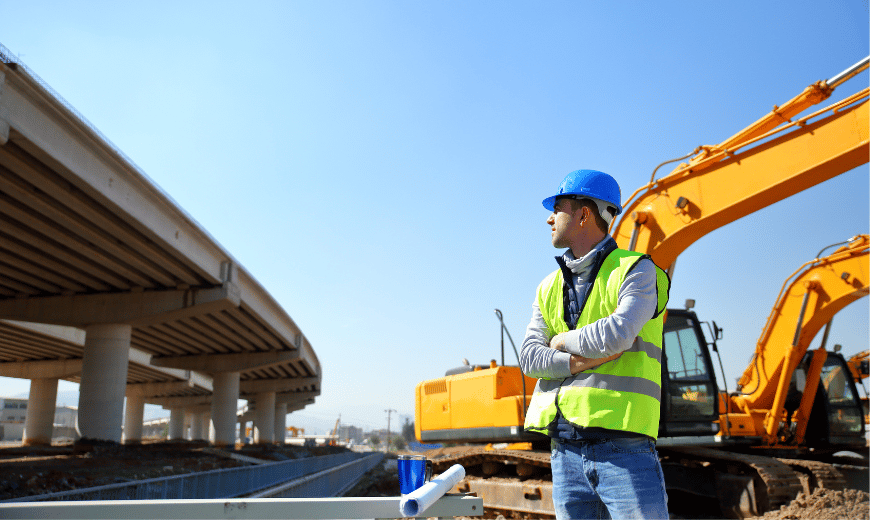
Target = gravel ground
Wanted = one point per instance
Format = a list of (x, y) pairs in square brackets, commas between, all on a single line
[(822, 504)]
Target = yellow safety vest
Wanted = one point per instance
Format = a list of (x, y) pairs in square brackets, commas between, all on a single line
[(623, 394)]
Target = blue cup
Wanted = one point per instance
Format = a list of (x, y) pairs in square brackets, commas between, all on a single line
[(414, 471)]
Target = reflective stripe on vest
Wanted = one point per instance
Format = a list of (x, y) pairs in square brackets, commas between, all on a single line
[(623, 394)]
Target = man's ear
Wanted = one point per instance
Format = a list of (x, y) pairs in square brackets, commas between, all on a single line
[(584, 213)]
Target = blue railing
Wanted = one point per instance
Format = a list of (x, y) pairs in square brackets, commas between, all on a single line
[(333, 482), (229, 482)]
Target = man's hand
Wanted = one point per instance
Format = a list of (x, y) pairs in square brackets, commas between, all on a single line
[(580, 363), (558, 342)]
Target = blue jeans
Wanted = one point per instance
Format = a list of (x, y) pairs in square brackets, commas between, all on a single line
[(617, 478)]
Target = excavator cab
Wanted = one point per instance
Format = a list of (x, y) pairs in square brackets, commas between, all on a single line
[(689, 392), (842, 406)]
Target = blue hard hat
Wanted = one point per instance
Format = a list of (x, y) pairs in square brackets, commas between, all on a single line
[(591, 184)]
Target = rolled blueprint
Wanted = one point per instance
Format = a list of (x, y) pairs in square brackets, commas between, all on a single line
[(414, 503)]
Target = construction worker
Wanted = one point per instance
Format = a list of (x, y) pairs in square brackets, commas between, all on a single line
[(595, 344)]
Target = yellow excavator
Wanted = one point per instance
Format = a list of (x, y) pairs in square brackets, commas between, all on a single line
[(810, 299), (295, 432), (859, 366), (714, 446), (793, 410)]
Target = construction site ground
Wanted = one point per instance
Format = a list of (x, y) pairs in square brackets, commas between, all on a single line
[(821, 504), (32, 471)]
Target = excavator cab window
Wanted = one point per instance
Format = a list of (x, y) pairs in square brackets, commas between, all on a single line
[(845, 417), (688, 384)]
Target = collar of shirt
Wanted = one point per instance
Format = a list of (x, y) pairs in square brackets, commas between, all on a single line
[(581, 266)]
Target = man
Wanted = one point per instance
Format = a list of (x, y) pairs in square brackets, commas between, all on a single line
[(595, 344)]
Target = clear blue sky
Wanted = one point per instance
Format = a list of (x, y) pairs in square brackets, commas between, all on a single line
[(379, 166)]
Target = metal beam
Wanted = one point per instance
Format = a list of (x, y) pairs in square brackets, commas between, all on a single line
[(295, 407), (296, 397), (276, 385), (51, 369), (245, 508), (132, 308), (288, 398), (157, 389), (198, 409), (72, 335), (235, 362), (179, 402)]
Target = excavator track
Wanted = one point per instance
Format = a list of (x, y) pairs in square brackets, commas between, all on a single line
[(817, 474), (475, 456), (779, 482), (775, 482), (510, 482)]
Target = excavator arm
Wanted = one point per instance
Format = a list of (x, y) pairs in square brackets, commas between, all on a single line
[(761, 165), (817, 291)]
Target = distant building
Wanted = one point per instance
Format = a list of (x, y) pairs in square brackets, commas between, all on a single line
[(156, 428), (348, 433), (13, 411), (65, 418)]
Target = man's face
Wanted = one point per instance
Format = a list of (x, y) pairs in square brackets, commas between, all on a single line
[(565, 223)]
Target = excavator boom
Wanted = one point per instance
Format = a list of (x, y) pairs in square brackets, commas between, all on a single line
[(667, 216), (812, 95)]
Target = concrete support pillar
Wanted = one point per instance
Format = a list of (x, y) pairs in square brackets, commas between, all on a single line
[(133, 417), (189, 419), (264, 421), (196, 427), (176, 424), (225, 399), (280, 423), (104, 381), (205, 426), (39, 421), (243, 425)]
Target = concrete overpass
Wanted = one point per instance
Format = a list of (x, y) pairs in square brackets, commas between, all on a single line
[(87, 241)]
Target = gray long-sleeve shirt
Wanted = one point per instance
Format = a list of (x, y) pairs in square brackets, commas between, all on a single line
[(636, 304)]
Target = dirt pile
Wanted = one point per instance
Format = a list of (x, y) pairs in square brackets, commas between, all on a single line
[(824, 504)]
